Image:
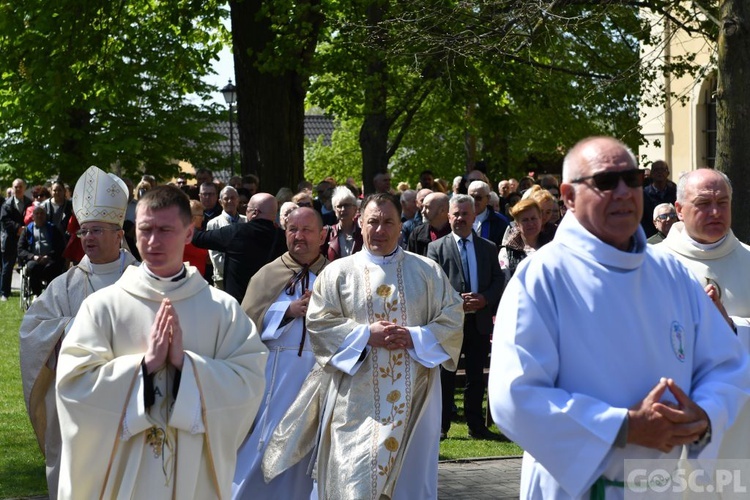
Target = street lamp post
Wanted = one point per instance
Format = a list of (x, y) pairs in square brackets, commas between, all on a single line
[(230, 96)]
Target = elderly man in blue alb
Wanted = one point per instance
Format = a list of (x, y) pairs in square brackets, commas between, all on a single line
[(584, 372)]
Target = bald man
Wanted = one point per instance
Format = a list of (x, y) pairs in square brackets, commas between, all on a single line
[(247, 247), (435, 215), (661, 381), (703, 240)]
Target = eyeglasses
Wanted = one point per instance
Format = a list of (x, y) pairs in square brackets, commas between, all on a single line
[(96, 231), (344, 206), (607, 181), (664, 217)]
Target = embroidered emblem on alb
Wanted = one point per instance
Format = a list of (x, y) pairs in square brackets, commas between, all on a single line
[(677, 337)]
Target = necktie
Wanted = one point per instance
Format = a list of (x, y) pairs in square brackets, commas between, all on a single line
[(465, 263)]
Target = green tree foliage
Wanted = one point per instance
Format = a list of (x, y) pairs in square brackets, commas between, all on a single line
[(508, 83), (87, 82)]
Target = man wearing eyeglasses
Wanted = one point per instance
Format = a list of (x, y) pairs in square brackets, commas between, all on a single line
[(664, 216), (99, 203), (660, 190), (585, 373)]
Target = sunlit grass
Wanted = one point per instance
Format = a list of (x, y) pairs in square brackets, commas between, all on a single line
[(21, 462), (459, 445)]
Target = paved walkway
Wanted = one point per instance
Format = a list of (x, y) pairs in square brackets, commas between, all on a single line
[(479, 479)]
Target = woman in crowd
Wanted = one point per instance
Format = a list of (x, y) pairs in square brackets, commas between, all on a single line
[(196, 256), (550, 211), (524, 239), (303, 199), (39, 195), (344, 238), (284, 211)]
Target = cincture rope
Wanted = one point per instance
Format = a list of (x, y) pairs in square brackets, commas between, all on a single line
[(303, 279)]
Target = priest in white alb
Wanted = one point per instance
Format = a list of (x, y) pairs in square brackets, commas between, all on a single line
[(380, 323), (276, 300), (160, 376), (99, 202)]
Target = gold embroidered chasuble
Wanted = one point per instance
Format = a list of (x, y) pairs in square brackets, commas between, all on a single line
[(362, 422)]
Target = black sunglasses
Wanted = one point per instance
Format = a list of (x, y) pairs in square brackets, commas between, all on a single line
[(607, 181)]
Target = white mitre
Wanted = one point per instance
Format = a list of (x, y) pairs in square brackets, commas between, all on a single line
[(99, 196)]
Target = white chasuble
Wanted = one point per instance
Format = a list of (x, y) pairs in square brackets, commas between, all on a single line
[(372, 414)]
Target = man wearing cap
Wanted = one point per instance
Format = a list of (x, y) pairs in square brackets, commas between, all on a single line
[(160, 376), (99, 203)]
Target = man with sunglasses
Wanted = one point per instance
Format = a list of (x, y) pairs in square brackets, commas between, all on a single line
[(584, 375), (664, 216), (99, 203)]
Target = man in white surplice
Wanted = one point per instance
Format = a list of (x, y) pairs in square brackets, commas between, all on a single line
[(276, 300), (380, 324), (586, 372)]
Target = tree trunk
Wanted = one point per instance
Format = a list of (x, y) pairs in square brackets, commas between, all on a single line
[(733, 109), (373, 136), (270, 104)]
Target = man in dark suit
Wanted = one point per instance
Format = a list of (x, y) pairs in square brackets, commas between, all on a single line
[(470, 262), (11, 218), (435, 215), (487, 223), (248, 246)]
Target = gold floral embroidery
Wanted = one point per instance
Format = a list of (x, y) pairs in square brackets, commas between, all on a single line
[(389, 371), (385, 291), (396, 409), (391, 444), (155, 439)]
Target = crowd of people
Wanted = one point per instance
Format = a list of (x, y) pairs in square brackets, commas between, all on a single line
[(204, 340)]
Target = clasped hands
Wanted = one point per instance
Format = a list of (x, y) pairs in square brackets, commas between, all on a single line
[(662, 425), (165, 340), (390, 335), (473, 301)]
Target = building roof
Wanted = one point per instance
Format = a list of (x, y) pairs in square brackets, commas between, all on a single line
[(315, 126)]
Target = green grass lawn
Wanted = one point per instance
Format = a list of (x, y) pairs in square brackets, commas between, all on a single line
[(459, 445), (21, 462)]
